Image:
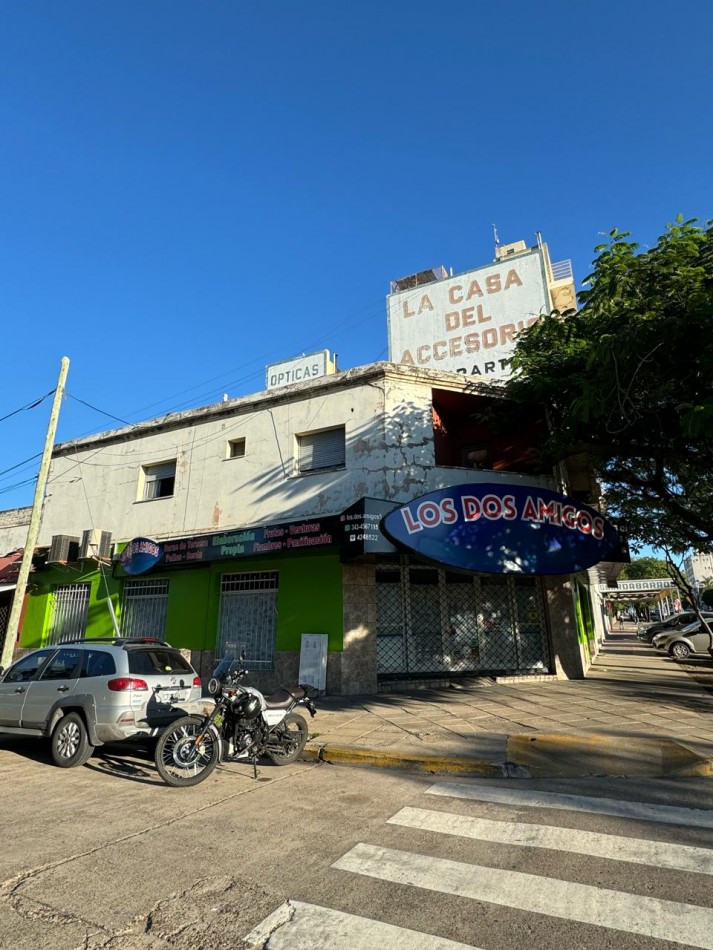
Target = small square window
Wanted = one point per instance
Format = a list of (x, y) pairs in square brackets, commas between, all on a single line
[(159, 480), (236, 448)]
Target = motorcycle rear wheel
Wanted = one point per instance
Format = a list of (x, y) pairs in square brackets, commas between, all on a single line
[(178, 761), (288, 739)]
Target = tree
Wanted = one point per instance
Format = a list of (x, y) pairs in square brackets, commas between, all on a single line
[(644, 567), (707, 597), (627, 380)]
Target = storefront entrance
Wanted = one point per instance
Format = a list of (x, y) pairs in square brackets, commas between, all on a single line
[(429, 620)]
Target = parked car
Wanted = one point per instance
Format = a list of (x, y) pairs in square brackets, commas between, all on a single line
[(691, 639), (675, 622), (84, 693)]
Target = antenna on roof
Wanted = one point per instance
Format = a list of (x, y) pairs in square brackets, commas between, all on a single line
[(495, 237)]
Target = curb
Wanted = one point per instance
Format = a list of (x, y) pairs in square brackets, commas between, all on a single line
[(537, 756)]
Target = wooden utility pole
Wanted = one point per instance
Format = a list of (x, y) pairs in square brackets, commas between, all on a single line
[(13, 623)]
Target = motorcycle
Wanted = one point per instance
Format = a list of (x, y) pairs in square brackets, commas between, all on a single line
[(242, 725)]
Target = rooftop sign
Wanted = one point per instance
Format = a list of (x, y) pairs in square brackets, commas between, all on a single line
[(468, 323), (299, 369), (502, 529)]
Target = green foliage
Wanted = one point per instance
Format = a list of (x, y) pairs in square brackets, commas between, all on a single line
[(644, 567), (628, 380)]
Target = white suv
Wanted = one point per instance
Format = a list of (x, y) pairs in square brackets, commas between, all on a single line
[(84, 693)]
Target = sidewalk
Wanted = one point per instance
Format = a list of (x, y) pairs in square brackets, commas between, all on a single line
[(636, 713)]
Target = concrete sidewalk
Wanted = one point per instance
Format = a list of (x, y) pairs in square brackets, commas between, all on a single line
[(636, 713)]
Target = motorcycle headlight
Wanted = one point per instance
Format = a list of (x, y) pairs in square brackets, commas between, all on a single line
[(213, 686)]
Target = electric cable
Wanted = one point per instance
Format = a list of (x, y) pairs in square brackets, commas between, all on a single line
[(30, 405)]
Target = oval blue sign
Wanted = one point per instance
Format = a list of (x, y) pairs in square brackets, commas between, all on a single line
[(140, 555), (502, 529)]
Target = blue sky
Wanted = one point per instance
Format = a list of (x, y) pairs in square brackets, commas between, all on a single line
[(191, 190)]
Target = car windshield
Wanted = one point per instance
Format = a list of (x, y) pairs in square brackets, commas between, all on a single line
[(223, 668), (154, 661)]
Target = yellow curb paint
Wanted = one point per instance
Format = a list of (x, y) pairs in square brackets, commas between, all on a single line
[(390, 760), (567, 756)]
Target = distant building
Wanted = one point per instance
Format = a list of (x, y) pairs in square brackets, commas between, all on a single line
[(698, 568)]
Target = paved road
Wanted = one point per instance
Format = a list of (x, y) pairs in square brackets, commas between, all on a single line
[(317, 856)]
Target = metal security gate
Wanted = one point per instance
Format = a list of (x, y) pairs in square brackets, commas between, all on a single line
[(429, 620), (248, 617), (70, 612), (144, 608)]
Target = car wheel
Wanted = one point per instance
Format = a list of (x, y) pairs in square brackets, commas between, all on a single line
[(679, 650), (70, 742)]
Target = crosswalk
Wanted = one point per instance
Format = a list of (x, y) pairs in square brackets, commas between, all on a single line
[(297, 925)]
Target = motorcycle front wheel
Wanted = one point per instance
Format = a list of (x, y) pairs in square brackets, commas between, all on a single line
[(288, 739), (179, 760)]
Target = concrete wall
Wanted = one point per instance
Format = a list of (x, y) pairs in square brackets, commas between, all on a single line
[(13, 529), (386, 412)]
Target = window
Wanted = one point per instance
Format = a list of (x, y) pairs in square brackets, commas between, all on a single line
[(159, 480), (143, 612), (98, 663), (236, 448), (64, 666), (26, 668), (248, 617), (70, 611), (317, 451), (156, 661)]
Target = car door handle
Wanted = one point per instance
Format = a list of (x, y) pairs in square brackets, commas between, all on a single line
[(62, 689)]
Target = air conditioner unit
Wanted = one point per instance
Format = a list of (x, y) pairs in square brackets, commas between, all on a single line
[(63, 548), (95, 544)]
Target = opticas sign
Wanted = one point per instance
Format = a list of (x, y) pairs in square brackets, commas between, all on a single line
[(468, 324), (500, 529), (299, 370)]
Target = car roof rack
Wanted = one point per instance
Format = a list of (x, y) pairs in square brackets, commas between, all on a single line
[(117, 641)]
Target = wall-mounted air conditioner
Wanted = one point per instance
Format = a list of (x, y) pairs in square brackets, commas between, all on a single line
[(95, 544), (63, 548)]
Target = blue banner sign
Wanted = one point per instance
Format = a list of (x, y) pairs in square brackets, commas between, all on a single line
[(140, 555), (502, 529)]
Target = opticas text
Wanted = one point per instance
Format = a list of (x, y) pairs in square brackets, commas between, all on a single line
[(431, 514)]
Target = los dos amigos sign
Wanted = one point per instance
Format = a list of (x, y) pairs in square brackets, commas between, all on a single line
[(502, 529)]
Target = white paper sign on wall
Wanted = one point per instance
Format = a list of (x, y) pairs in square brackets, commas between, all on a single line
[(313, 660)]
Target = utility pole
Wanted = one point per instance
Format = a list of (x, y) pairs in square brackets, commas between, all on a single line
[(13, 623)]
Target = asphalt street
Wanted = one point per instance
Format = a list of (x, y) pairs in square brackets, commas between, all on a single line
[(322, 856)]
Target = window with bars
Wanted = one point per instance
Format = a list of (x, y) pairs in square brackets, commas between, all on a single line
[(317, 451), (158, 480), (236, 448), (248, 617), (144, 606), (70, 611), (430, 620)]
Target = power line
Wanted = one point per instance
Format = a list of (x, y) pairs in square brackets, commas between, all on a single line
[(30, 405), (20, 464), (101, 411)]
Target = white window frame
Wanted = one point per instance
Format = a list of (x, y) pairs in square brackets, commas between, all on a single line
[(322, 450), (152, 475)]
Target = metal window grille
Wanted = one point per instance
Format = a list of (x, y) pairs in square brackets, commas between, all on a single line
[(4, 617), (248, 617), (434, 621), (144, 607), (69, 613), (159, 480), (318, 450)]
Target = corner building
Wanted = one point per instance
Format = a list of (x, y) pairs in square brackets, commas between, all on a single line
[(267, 508)]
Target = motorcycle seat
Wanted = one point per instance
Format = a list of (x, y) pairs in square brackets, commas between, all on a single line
[(283, 698)]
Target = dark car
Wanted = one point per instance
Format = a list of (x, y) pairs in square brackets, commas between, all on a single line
[(647, 632)]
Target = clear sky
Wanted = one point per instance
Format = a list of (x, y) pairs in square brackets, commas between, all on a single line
[(191, 190)]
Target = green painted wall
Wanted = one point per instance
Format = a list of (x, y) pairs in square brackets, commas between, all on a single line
[(38, 606), (309, 600)]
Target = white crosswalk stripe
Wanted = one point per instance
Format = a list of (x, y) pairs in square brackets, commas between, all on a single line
[(649, 916), (300, 926), (614, 847), (666, 814)]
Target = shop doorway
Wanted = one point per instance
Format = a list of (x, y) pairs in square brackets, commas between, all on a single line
[(433, 621), (248, 617)]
